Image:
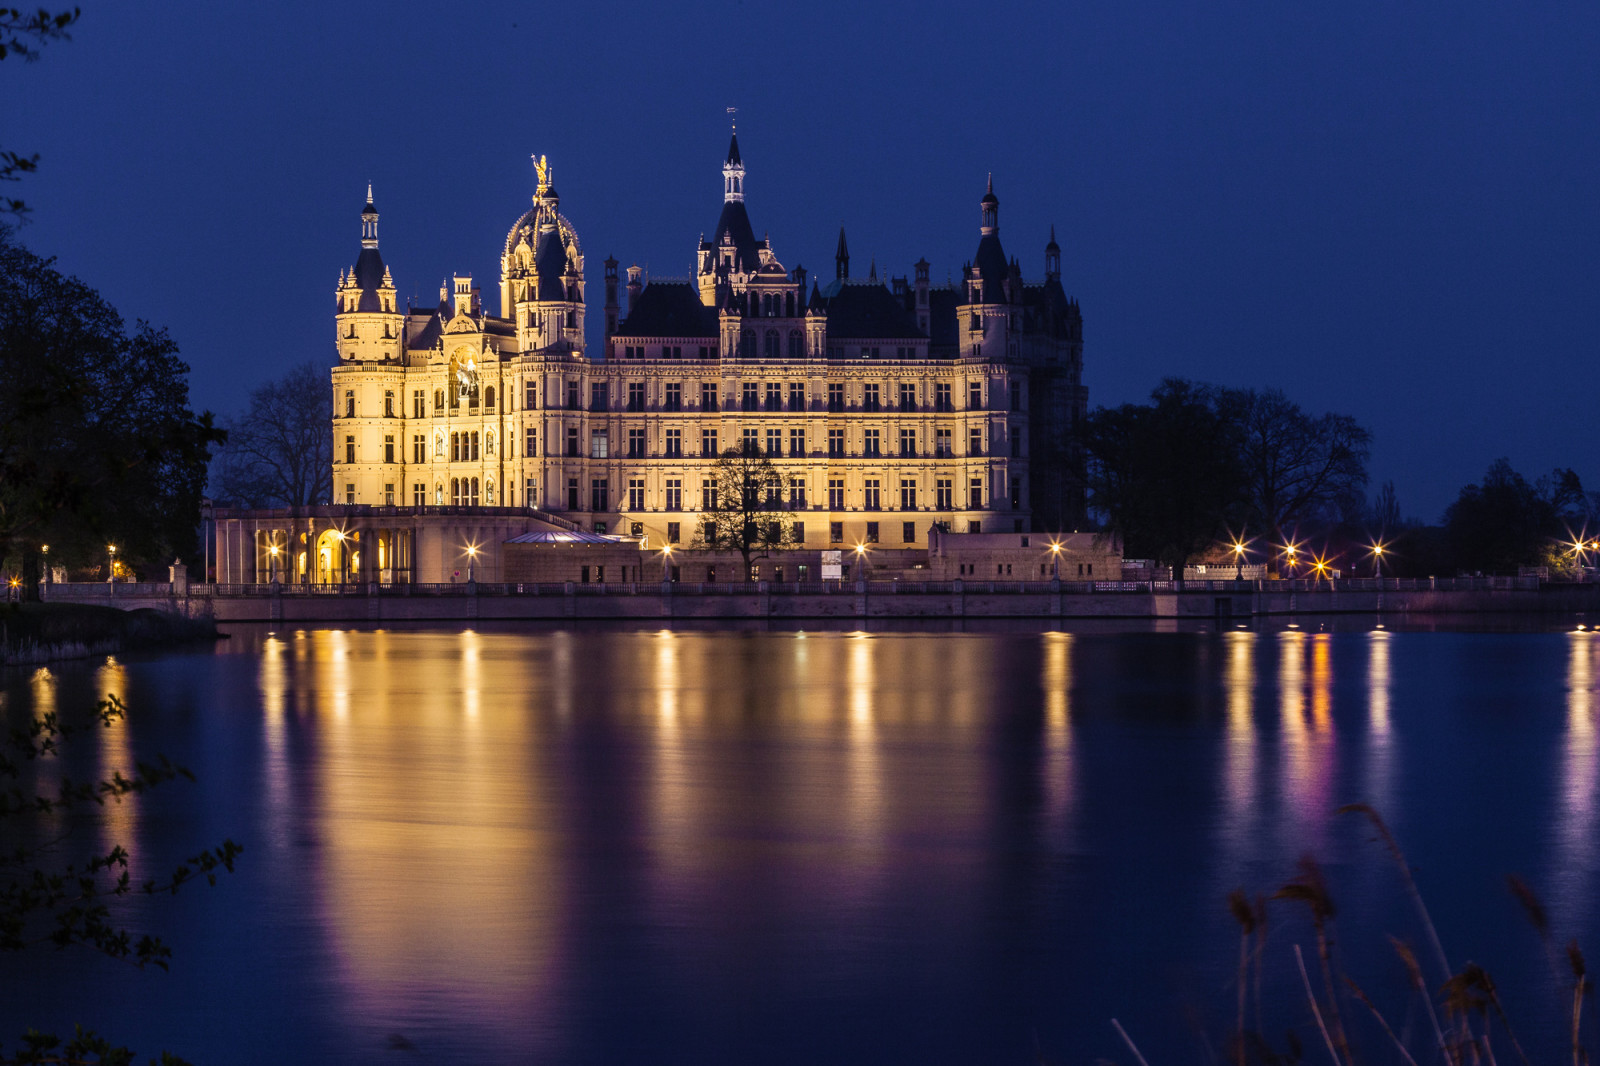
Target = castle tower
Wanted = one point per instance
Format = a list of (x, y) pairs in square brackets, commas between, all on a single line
[(542, 272), (612, 309), (1052, 258), (733, 173), (369, 327)]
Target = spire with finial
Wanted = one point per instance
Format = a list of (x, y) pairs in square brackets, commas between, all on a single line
[(872, 271), (990, 205), (841, 258), (1052, 257), (369, 222), (733, 168)]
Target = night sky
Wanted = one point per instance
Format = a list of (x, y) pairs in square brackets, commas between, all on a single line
[(1386, 210)]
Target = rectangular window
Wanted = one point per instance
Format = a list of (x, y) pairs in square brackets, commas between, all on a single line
[(1016, 494), (749, 444), (800, 535), (572, 494), (835, 443), (708, 396), (797, 492), (708, 494), (599, 396), (636, 494), (836, 494), (419, 448), (530, 493), (870, 443), (869, 400), (572, 395), (388, 403), (872, 532), (908, 442), (674, 443), (530, 394), (599, 444), (941, 445), (636, 396), (572, 441), (419, 494), (747, 396), (635, 444), (941, 397), (869, 494), (349, 403), (774, 442), (975, 395), (598, 495), (836, 397), (475, 446), (419, 404), (1016, 394), (908, 396), (774, 401), (349, 449), (455, 447), (388, 447), (974, 441), (942, 494), (674, 532), (797, 396), (674, 494), (797, 442), (975, 494), (349, 493), (974, 526), (530, 442), (908, 532), (674, 396), (835, 532), (1016, 442), (708, 443), (908, 494)]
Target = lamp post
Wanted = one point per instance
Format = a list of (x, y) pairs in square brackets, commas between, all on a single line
[(44, 549), (111, 569), (272, 564), (1288, 553), (1238, 560), (666, 563), (1377, 560), (1055, 559), (338, 537), (472, 557), (861, 562)]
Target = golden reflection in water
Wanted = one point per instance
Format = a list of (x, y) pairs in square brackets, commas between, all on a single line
[(438, 860), (1240, 763), (42, 690), (116, 756), (1380, 742), (274, 700), (865, 798), (1576, 839), (1056, 768), (1307, 760)]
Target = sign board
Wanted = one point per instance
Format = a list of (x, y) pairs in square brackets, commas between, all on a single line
[(833, 566)]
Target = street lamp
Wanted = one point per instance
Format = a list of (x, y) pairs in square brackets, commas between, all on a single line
[(1377, 560), (861, 562), (45, 550), (1288, 552), (1055, 559), (338, 536), (111, 574), (272, 563), (1238, 560), (666, 562), (472, 555)]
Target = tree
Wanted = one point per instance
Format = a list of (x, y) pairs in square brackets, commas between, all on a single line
[(280, 449), (1385, 511), (48, 902), (21, 34), (1167, 475), (1296, 466), (97, 439), (745, 512), (1506, 521)]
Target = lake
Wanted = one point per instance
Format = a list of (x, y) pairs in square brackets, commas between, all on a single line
[(592, 845)]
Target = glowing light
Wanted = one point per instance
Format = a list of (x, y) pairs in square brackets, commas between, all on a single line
[(273, 550)]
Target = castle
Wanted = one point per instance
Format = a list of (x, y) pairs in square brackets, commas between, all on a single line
[(888, 408)]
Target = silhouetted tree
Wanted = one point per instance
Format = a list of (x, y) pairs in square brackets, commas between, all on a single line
[(280, 449), (746, 512), (97, 439), (1296, 466), (1506, 521)]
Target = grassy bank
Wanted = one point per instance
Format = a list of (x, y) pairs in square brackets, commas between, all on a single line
[(41, 632)]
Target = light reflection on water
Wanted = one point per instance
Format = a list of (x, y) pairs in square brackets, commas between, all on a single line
[(799, 847)]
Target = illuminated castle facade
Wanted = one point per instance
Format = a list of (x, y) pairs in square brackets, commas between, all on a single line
[(886, 407)]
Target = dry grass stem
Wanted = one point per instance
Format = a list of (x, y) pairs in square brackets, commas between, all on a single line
[(1311, 997), (1361, 995), (1126, 1039)]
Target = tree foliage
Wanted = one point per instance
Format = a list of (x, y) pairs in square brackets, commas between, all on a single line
[(1506, 521), (21, 35), (47, 900), (97, 439), (280, 449), (1297, 466), (746, 512)]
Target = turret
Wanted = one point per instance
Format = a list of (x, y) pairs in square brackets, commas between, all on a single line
[(733, 173), (611, 296), (990, 206), (635, 286), (922, 294), (368, 325), (1052, 258)]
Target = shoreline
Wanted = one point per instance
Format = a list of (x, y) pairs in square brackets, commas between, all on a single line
[(33, 634)]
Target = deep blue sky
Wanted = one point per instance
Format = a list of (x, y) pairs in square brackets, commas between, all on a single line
[(1387, 210)]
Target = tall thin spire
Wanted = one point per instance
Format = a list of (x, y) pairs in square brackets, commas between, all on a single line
[(369, 222), (733, 170), (841, 258)]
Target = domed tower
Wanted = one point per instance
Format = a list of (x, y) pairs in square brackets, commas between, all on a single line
[(369, 327), (541, 273), (991, 295)]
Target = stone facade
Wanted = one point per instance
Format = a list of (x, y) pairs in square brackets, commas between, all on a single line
[(887, 409)]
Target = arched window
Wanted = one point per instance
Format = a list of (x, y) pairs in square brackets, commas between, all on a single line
[(772, 344), (474, 491), (455, 447), (488, 492), (788, 305), (797, 344), (766, 304), (474, 446), (438, 399), (747, 343), (488, 441), (488, 396), (455, 492)]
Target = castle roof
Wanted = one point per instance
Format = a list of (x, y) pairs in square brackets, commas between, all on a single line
[(865, 310), (669, 309), (735, 222)]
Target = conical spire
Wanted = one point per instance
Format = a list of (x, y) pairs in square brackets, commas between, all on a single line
[(369, 222), (841, 258), (1052, 246)]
